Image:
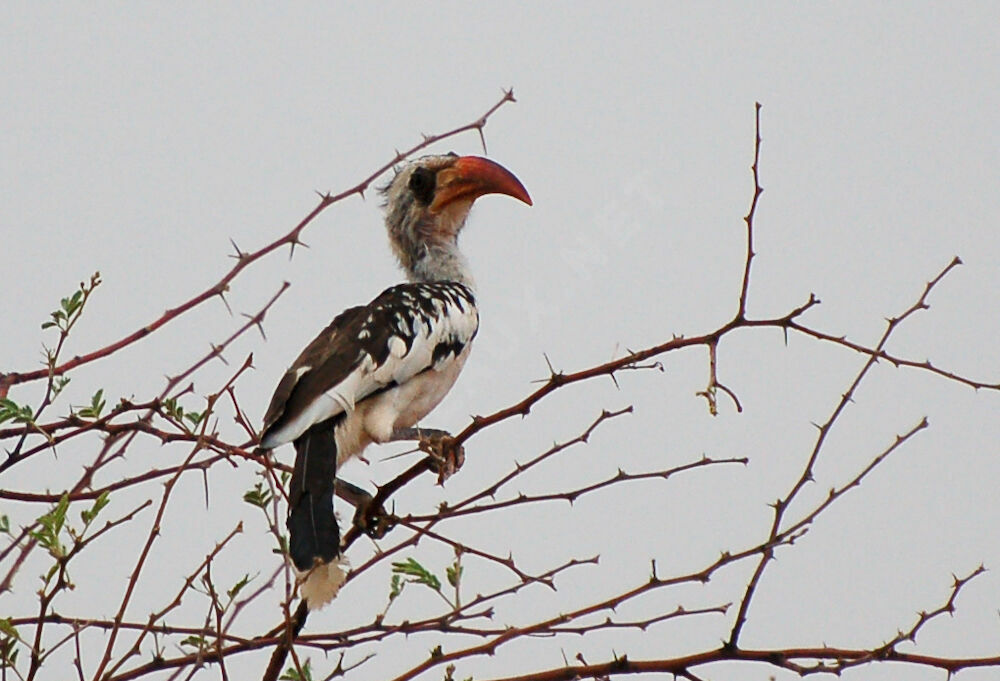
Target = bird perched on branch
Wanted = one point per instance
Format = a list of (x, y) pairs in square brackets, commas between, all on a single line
[(378, 369)]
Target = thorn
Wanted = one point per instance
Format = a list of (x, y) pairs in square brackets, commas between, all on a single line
[(239, 254), (217, 351), (482, 138), (295, 241), (226, 303), (552, 372), (257, 322)]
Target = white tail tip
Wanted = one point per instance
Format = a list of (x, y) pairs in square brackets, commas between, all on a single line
[(320, 585)]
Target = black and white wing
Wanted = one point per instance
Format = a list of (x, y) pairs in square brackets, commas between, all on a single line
[(407, 330)]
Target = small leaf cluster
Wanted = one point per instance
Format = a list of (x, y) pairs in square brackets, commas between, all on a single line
[(50, 527), (258, 496), (71, 307), (175, 411), (62, 317), (12, 411), (410, 571), (96, 406), (417, 573)]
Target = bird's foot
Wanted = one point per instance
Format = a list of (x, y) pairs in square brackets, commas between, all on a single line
[(447, 454), (372, 518)]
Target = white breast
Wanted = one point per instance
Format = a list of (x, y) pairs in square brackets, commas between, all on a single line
[(403, 406)]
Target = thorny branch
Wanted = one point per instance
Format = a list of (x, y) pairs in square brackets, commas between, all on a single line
[(209, 637), (802, 661), (244, 260), (782, 504)]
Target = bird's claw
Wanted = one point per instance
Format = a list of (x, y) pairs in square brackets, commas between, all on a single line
[(447, 455), (372, 518)]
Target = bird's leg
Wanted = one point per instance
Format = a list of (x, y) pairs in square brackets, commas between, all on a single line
[(447, 455), (371, 519)]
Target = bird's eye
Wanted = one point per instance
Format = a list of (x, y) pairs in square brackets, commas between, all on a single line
[(422, 183)]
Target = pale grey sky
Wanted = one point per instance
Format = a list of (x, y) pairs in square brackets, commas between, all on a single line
[(138, 139)]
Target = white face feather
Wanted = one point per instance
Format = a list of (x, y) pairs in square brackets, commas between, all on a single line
[(425, 243)]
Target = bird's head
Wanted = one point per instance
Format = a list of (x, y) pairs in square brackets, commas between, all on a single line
[(427, 203)]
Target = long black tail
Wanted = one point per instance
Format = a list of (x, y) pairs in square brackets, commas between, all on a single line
[(312, 525)]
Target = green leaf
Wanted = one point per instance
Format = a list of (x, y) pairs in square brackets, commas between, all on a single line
[(396, 587), (58, 384), (88, 515), (175, 411), (292, 674), (454, 573), (71, 307), (97, 403), (238, 586), (12, 411), (282, 548), (71, 304), (50, 526), (7, 628), (194, 417), (8, 654), (195, 641), (4, 525), (258, 496), (420, 574), (51, 573)]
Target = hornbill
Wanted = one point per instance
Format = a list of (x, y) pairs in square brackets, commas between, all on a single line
[(377, 369)]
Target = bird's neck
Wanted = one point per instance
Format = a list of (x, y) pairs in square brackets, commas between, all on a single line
[(440, 262)]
